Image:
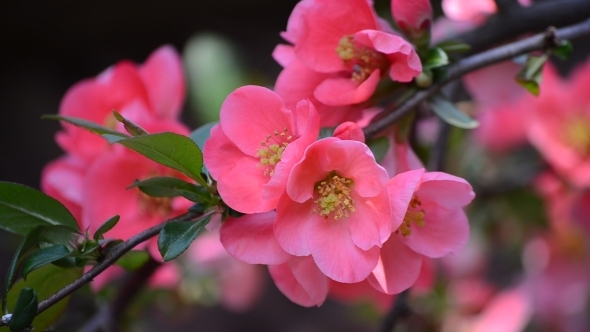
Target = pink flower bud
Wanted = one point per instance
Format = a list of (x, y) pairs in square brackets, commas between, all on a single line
[(413, 18), (349, 131)]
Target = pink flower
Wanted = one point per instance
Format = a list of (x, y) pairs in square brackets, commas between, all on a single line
[(357, 50), (336, 209), (297, 82), (105, 194), (63, 179), (434, 225), (560, 124), (413, 18), (153, 91), (257, 142)]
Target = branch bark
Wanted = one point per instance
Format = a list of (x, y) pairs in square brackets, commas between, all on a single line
[(537, 42)]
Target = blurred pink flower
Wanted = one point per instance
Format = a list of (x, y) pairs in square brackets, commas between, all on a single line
[(150, 92), (251, 162), (414, 18)]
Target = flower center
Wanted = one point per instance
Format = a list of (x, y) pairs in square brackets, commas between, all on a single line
[(360, 60), (272, 150), (154, 206), (333, 197), (576, 133), (414, 215)]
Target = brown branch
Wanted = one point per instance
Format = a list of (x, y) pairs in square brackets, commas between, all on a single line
[(542, 41)]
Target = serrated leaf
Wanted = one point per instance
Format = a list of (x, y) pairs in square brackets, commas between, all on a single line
[(23, 208), (564, 50), (379, 146), (448, 112), (30, 241), (531, 74), (133, 260), (46, 281), (24, 310), (43, 257), (453, 46), (90, 126), (105, 227), (201, 134), (172, 187), (435, 58), (177, 236), (173, 150), (132, 128)]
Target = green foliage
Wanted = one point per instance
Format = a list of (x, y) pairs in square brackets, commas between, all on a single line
[(133, 260), (132, 128), (213, 72), (24, 310), (23, 208), (326, 132), (531, 73), (177, 236), (379, 147), (564, 50), (46, 281), (43, 257), (435, 58), (173, 187), (173, 150), (28, 243), (105, 227), (453, 46), (448, 112), (90, 126)]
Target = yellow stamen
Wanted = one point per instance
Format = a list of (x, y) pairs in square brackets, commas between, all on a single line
[(576, 133), (271, 152), (414, 215), (334, 197), (360, 60)]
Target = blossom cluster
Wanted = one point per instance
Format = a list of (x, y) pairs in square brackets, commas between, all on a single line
[(92, 179), (320, 210)]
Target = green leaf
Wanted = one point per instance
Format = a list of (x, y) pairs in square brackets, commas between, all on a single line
[(132, 128), (177, 236), (201, 134), (24, 310), (105, 227), (564, 50), (53, 235), (30, 241), (435, 58), (133, 260), (173, 150), (23, 208), (448, 112), (44, 257), (531, 73), (90, 126), (453, 46), (46, 281), (173, 187), (379, 146)]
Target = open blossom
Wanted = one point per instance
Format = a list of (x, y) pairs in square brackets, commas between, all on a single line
[(433, 226), (336, 209), (257, 142), (152, 92), (346, 40)]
